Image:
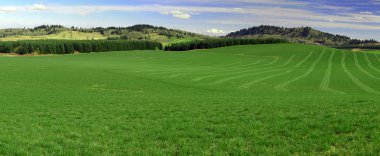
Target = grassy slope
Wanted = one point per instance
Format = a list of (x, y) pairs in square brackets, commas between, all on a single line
[(268, 99), (75, 35), (65, 35), (166, 41)]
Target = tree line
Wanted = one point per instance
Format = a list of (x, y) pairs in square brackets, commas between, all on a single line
[(71, 46), (215, 43)]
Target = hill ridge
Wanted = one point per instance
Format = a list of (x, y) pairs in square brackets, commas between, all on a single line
[(298, 35)]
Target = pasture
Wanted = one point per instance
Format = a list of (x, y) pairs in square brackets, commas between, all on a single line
[(65, 35), (280, 99)]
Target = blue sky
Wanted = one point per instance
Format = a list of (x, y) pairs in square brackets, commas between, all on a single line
[(357, 19)]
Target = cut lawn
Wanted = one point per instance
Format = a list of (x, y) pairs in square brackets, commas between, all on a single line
[(280, 99)]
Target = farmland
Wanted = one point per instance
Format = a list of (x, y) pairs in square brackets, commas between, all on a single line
[(279, 99)]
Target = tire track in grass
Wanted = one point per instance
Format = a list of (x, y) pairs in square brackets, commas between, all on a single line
[(249, 84), (282, 86), (377, 57), (215, 70), (370, 63), (250, 74), (354, 79), (218, 69), (325, 84), (361, 68), (175, 68), (223, 74), (171, 65), (192, 69)]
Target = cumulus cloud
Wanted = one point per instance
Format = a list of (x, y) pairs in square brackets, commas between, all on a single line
[(177, 14), (34, 7), (38, 7), (8, 9), (216, 31)]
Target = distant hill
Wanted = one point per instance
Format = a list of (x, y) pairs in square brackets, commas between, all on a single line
[(136, 32), (169, 36), (298, 35), (64, 35)]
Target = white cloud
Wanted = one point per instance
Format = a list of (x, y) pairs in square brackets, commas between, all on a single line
[(254, 14), (35, 7), (38, 7), (8, 9), (294, 23), (359, 17), (367, 12), (185, 12), (216, 31), (329, 7), (177, 14), (271, 2)]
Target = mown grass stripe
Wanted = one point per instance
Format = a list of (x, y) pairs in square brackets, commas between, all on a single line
[(354, 79), (249, 84), (193, 69), (361, 68), (225, 69), (216, 70), (175, 68), (325, 84), (370, 63), (250, 74), (223, 74), (282, 86), (377, 57)]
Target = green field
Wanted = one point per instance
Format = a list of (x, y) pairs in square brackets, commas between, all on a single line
[(282, 99)]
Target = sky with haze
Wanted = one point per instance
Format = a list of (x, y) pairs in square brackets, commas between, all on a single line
[(354, 18)]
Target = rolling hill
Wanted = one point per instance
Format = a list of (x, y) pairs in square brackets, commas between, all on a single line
[(278, 99), (63, 35), (298, 35), (167, 36), (136, 32)]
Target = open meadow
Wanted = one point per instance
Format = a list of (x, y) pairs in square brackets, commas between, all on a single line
[(277, 99), (65, 35)]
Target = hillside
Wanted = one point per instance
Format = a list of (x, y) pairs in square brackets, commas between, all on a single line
[(64, 35), (167, 36), (136, 32), (298, 35)]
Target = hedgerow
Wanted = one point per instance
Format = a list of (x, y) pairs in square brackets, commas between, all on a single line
[(215, 43), (70, 46)]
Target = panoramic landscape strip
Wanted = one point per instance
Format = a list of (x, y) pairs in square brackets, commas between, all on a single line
[(241, 77)]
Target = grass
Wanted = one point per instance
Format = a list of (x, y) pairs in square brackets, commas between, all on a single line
[(167, 41), (374, 51), (65, 35), (283, 99), (75, 35)]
